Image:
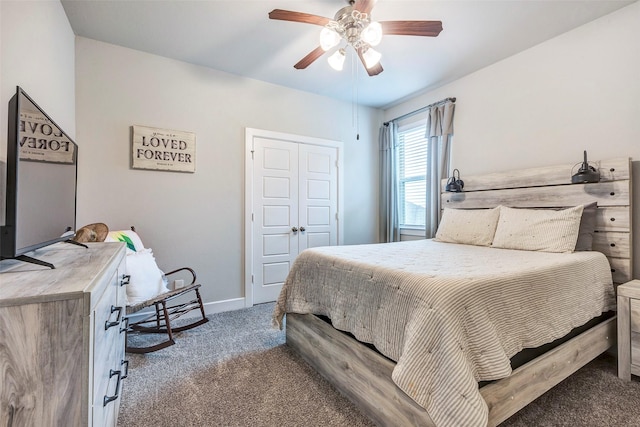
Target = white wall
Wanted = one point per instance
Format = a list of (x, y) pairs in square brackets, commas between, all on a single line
[(37, 52), (580, 90), (197, 219)]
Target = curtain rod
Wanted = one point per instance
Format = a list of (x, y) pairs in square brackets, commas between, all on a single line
[(420, 110)]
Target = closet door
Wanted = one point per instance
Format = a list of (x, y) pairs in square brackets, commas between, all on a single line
[(294, 207), (275, 215), (318, 202)]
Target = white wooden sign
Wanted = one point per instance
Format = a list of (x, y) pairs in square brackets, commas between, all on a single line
[(163, 149)]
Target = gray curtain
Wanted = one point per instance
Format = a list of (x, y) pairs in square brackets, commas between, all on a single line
[(389, 230), (439, 134)]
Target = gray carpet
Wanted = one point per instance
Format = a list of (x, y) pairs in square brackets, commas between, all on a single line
[(237, 371)]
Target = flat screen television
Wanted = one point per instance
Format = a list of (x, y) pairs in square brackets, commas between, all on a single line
[(40, 195)]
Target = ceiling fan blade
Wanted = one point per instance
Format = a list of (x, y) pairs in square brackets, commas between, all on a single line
[(364, 6), (411, 28), (307, 60), (307, 18), (373, 71)]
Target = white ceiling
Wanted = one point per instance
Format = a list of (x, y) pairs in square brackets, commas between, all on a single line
[(236, 36)]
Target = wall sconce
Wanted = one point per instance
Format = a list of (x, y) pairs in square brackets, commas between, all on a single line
[(586, 173), (454, 185)]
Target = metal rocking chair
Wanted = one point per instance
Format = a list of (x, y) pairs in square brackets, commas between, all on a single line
[(160, 320)]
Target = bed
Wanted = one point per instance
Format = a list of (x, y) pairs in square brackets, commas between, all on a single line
[(415, 356)]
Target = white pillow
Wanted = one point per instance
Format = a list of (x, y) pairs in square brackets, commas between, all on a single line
[(129, 237), (543, 230), (469, 227), (146, 280)]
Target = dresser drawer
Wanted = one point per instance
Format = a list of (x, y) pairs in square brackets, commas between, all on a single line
[(108, 350), (105, 404)]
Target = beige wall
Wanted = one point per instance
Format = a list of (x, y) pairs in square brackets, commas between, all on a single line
[(197, 219), (580, 90), (37, 51)]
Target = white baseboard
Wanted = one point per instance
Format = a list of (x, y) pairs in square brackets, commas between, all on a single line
[(209, 308), (224, 305)]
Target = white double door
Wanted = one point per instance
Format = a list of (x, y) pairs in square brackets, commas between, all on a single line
[(294, 207)]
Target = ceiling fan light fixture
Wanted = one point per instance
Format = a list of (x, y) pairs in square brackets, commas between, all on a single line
[(372, 34), (329, 38), (337, 59), (371, 57), (353, 24)]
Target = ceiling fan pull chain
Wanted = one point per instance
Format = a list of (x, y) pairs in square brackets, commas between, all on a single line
[(354, 96)]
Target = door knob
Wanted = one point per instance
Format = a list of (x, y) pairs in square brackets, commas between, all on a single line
[(302, 228), (294, 229)]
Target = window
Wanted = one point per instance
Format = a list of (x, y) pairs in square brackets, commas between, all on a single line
[(412, 175)]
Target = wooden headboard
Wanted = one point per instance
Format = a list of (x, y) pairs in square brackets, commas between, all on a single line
[(550, 187)]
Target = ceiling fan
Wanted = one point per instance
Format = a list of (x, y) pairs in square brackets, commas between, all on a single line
[(352, 26)]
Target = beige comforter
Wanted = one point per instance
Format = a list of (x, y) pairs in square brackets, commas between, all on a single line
[(450, 315)]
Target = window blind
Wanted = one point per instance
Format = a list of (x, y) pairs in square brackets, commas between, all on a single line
[(412, 172)]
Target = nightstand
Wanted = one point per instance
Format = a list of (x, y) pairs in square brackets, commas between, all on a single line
[(629, 329)]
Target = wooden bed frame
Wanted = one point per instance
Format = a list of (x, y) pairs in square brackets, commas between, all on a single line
[(364, 375)]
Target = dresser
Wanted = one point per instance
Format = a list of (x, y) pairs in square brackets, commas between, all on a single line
[(62, 337)]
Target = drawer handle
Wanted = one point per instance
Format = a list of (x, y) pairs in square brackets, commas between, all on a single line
[(126, 325), (108, 324), (108, 399), (126, 279), (126, 368)]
